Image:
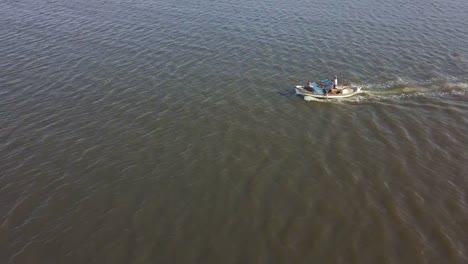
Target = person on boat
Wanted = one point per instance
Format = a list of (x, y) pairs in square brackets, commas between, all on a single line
[(308, 86), (334, 89)]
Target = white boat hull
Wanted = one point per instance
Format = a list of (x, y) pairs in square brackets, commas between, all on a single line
[(344, 92)]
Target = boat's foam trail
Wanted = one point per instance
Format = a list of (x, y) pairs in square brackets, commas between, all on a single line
[(402, 89)]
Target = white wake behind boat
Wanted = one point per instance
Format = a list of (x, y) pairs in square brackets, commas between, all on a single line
[(323, 90)]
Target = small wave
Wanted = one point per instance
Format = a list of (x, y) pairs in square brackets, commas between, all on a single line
[(402, 89), (400, 83)]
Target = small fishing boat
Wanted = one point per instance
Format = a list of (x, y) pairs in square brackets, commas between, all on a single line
[(325, 90)]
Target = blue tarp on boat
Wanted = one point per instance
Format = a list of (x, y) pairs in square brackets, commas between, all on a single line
[(325, 87)]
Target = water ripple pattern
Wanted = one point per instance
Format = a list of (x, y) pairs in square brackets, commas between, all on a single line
[(163, 131)]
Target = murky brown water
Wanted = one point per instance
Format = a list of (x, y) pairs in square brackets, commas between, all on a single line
[(168, 132)]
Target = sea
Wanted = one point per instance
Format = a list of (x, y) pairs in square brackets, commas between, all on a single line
[(169, 131)]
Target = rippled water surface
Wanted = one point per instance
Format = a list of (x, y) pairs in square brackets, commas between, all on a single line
[(168, 131)]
